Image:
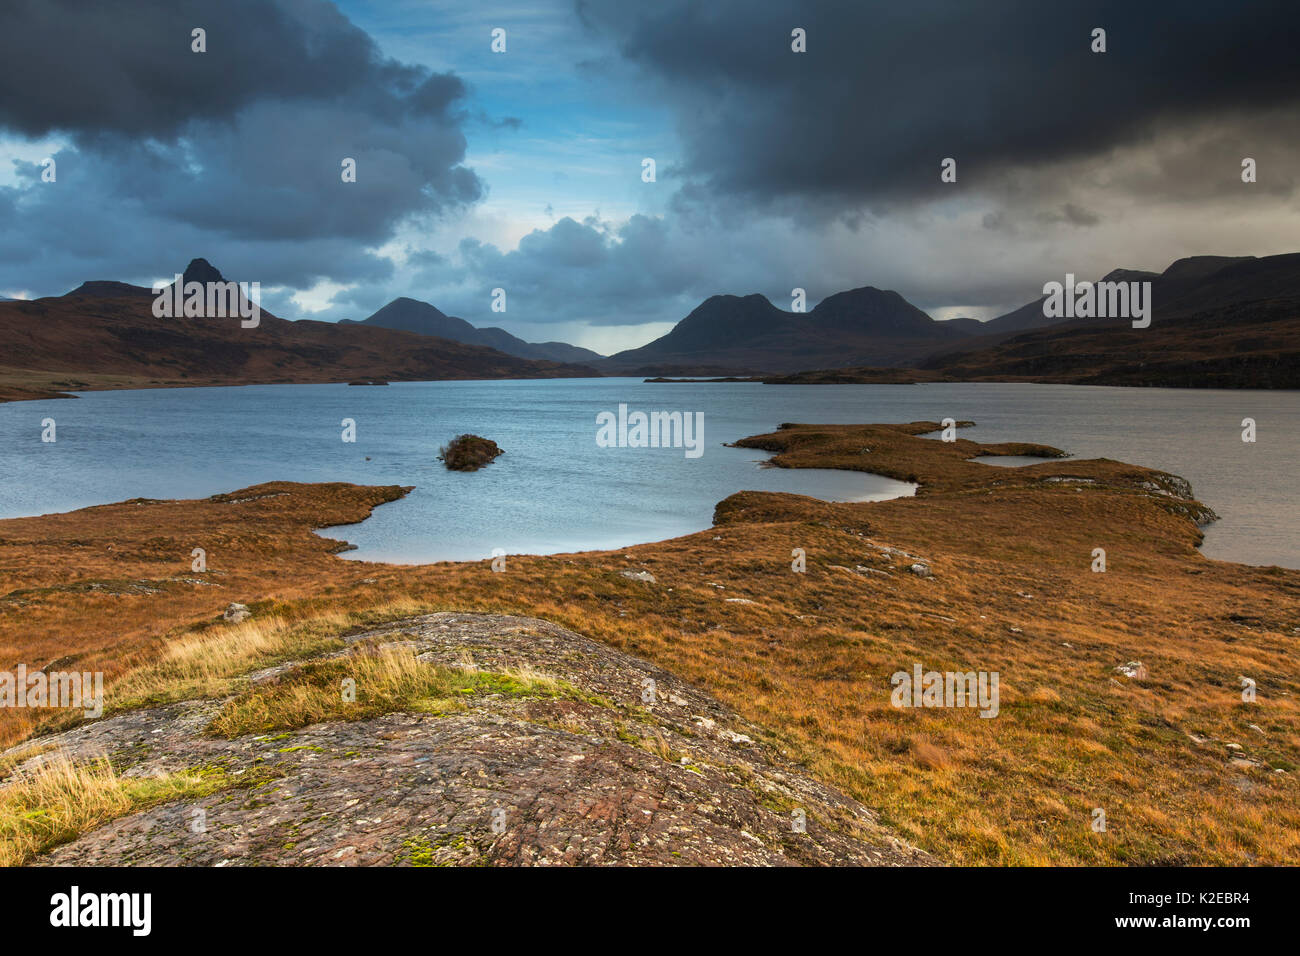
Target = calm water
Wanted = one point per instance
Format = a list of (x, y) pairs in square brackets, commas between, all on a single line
[(554, 490)]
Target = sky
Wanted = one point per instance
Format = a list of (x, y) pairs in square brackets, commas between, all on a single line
[(522, 170)]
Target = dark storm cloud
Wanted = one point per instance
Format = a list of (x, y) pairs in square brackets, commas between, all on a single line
[(242, 142), (91, 66), (886, 91), (50, 247)]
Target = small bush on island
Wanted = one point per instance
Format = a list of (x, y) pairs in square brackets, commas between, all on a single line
[(469, 453)]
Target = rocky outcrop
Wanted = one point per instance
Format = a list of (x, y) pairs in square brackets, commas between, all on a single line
[(235, 613), (636, 767)]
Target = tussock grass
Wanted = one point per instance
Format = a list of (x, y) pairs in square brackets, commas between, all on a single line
[(214, 660), (210, 663), (387, 680), (538, 682), (204, 664), (60, 799), (928, 755)]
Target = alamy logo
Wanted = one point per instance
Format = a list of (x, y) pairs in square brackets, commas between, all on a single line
[(75, 908), (947, 689), (1100, 300), (208, 300), (83, 691), (651, 430)]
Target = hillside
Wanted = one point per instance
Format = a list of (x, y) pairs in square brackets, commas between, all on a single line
[(105, 335), (1217, 322), (1030, 315), (1254, 346), (411, 315), (866, 326), (1187, 285)]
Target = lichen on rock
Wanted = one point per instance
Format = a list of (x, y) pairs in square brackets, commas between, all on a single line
[(597, 772)]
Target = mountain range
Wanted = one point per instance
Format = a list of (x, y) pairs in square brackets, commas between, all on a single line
[(744, 333), (412, 315), (1228, 317), (103, 334), (1218, 321)]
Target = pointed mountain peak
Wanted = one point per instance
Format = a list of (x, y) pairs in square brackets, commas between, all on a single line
[(200, 270)]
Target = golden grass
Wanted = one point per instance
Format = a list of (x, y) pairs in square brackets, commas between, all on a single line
[(928, 755), (98, 590), (383, 680), (206, 664), (810, 660), (60, 800), (212, 662)]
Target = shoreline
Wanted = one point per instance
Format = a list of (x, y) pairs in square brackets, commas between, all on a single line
[(43, 387), (19, 388), (1007, 587)]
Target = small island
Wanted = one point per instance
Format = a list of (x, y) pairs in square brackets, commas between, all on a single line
[(469, 453)]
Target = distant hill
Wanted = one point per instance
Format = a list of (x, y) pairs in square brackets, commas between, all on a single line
[(412, 315), (1233, 276), (1030, 315), (106, 288), (1228, 279), (104, 334), (1217, 321), (866, 326), (1201, 282), (967, 325)]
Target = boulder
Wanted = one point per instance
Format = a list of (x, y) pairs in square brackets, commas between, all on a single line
[(236, 613)]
